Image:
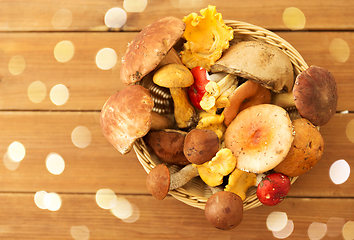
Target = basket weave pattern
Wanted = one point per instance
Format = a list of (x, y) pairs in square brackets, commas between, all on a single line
[(196, 193)]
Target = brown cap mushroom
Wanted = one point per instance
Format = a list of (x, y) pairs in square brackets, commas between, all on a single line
[(224, 210), (261, 62), (247, 94), (306, 149), (200, 145), (177, 77), (260, 137), (127, 115), (149, 47), (159, 180), (314, 95), (168, 145)]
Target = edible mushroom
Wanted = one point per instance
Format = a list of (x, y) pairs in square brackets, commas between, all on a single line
[(314, 95), (261, 62), (127, 116), (177, 77), (240, 181), (149, 47), (260, 137), (159, 180), (306, 149), (200, 145), (224, 210)]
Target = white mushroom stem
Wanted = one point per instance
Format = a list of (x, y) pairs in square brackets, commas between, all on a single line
[(216, 189), (183, 176), (215, 89), (284, 100)]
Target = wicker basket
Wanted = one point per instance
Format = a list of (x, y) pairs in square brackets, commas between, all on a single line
[(196, 193)]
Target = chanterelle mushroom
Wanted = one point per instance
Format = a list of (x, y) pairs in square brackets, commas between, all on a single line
[(127, 115), (260, 137), (261, 62), (149, 47)]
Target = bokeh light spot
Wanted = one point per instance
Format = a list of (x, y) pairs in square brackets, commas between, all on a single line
[(115, 18), (17, 65), (316, 230), (81, 137), (55, 163), (52, 201), (106, 58), (134, 216), (64, 51), (339, 50), (62, 19), (106, 198), (123, 209), (349, 130), (334, 226), (59, 94), (80, 232), (339, 171), (39, 199), (348, 230), (16, 151), (276, 221), (37, 91), (134, 5), (9, 163), (286, 231), (294, 18)]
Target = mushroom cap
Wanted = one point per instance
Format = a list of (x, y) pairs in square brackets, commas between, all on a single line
[(168, 145), (315, 95), (224, 210), (260, 137), (200, 145), (126, 116), (261, 62), (173, 75), (149, 47), (158, 181), (306, 149)]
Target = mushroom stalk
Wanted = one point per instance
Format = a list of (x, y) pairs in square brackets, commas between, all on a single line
[(183, 176), (159, 122), (171, 57), (284, 100)]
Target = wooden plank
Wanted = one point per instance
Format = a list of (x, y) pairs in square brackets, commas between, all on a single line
[(100, 166), (89, 87), (167, 219), (89, 15)]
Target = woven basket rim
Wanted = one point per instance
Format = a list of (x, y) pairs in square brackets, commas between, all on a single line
[(247, 32)]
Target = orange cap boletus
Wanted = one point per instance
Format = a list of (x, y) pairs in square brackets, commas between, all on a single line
[(260, 137), (127, 115), (149, 47)]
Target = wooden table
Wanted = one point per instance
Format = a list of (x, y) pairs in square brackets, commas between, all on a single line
[(30, 31)]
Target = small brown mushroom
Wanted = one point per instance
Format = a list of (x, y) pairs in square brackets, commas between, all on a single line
[(314, 95), (260, 137), (127, 116), (200, 145), (168, 145), (177, 77), (261, 62), (224, 210), (306, 149), (149, 47), (159, 181), (247, 94)]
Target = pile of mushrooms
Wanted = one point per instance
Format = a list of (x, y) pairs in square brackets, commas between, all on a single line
[(234, 143)]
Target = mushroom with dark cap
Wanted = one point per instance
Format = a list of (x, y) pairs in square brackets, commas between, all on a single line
[(149, 47), (127, 115), (224, 210), (314, 95), (159, 180)]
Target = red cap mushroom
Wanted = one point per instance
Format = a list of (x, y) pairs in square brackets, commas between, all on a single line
[(127, 115)]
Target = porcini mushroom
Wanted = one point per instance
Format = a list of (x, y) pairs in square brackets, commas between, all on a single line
[(261, 62), (168, 145), (127, 115), (260, 137), (314, 95), (149, 47), (177, 77), (159, 180), (224, 210), (306, 149), (200, 145), (247, 94)]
